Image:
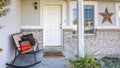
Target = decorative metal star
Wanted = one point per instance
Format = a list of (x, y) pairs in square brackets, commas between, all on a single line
[(106, 16)]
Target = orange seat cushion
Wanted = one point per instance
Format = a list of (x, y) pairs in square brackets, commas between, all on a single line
[(24, 46)]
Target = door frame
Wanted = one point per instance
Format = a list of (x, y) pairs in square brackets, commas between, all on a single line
[(63, 7)]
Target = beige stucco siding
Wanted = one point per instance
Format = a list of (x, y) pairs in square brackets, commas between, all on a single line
[(111, 9), (12, 25)]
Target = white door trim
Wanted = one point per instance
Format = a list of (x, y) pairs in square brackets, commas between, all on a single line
[(62, 17)]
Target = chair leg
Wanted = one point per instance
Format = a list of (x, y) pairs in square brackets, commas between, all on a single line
[(26, 66), (15, 57), (35, 57), (37, 47)]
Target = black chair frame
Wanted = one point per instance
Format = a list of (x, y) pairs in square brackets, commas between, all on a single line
[(18, 53)]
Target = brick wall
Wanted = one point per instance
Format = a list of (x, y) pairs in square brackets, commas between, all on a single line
[(105, 41)]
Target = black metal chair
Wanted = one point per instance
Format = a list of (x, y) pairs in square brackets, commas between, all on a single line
[(20, 39)]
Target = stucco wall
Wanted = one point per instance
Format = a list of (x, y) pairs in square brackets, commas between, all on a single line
[(35, 18), (30, 15), (12, 25), (111, 9), (106, 39)]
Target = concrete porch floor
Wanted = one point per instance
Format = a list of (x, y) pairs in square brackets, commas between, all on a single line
[(45, 62)]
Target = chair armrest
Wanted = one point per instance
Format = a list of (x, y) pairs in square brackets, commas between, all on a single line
[(36, 42)]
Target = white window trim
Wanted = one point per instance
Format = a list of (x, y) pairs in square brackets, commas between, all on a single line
[(31, 27), (95, 11), (71, 3), (95, 14), (117, 5)]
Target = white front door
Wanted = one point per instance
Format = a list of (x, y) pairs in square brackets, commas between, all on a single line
[(52, 25)]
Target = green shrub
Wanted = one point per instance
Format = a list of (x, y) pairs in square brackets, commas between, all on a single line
[(4, 9), (111, 62), (87, 62)]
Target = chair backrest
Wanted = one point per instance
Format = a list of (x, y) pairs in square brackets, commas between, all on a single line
[(17, 38), (29, 37)]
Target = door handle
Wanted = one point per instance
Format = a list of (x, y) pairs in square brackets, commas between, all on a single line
[(60, 26)]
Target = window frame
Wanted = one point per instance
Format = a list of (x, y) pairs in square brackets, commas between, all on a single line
[(71, 3), (95, 4), (88, 19)]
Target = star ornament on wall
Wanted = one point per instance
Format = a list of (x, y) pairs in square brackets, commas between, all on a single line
[(106, 16)]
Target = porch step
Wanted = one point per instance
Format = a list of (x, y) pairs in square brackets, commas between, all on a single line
[(53, 48)]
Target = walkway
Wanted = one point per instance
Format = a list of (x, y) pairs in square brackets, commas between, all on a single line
[(45, 62)]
